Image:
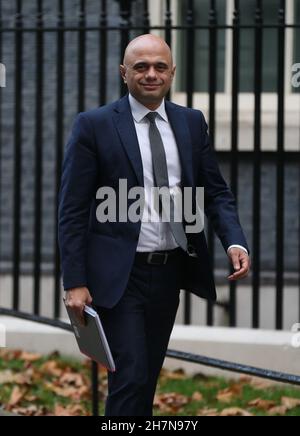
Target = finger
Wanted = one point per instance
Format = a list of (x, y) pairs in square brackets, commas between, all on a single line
[(245, 261), (81, 318), (241, 273), (236, 265), (238, 275), (77, 308), (235, 262)]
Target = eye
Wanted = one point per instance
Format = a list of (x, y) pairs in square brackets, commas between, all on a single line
[(140, 67), (161, 67)]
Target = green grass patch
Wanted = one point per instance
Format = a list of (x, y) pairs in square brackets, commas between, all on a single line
[(56, 385)]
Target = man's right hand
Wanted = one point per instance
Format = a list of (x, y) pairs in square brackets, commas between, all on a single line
[(76, 299)]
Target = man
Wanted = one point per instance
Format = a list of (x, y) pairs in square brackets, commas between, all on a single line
[(133, 271)]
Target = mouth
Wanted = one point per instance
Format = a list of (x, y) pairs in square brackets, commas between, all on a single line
[(150, 86)]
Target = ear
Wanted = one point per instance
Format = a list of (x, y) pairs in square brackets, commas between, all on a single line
[(123, 72), (173, 72)]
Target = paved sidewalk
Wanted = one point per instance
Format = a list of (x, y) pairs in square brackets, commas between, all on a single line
[(4, 413)]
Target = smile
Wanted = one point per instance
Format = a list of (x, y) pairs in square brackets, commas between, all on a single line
[(151, 86)]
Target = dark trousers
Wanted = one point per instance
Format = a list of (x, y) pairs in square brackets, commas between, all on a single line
[(138, 329)]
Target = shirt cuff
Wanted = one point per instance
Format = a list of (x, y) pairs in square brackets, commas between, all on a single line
[(238, 246)]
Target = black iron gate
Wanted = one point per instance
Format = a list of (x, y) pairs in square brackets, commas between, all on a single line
[(62, 57)]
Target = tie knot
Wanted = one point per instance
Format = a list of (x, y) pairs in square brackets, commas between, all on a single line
[(151, 116)]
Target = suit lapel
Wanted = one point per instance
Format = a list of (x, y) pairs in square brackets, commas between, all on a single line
[(183, 139), (125, 125)]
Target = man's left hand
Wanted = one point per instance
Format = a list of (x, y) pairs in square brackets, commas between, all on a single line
[(241, 263)]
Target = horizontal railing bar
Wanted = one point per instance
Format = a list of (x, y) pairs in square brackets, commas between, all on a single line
[(118, 28), (222, 304), (235, 367), (180, 355), (35, 318), (289, 156)]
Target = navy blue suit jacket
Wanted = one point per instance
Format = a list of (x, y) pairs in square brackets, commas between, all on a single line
[(103, 148)]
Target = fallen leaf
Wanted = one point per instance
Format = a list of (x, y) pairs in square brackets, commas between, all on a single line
[(4, 353), (31, 398), (197, 396), (235, 411), (278, 410), (178, 374), (207, 412), (8, 355), (245, 379), (71, 410), (262, 404), (212, 385), (227, 395), (6, 377), (72, 379), (25, 377), (16, 396), (68, 391), (290, 403), (31, 410), (27, 411), (21, 378), (260, 384), (200, 376), (170, 402), (54, 355), (30, 357), (51, 368)]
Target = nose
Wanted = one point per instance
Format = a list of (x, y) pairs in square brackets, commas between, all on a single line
[(151, 73)]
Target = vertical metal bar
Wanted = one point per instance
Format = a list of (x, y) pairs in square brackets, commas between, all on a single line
[(60, 47), (125, 15), (299, 227), (190, 50), (257, 164), (212, 75), (212, 82), (168, 23), (295, 34), (95, 384), (280, 169), (103, 53), (146, 18), (17, 154), (234, 132), (1, 144), (81, 56), (168, 31), (38, 155), (190, 37)]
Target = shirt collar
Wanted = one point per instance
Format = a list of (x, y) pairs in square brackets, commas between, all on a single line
[(139, 111)]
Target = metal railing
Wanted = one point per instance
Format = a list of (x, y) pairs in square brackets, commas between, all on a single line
[(173, 354), (20, 25)]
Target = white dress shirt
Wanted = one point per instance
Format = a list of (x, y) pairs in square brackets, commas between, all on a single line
[(156, 235)]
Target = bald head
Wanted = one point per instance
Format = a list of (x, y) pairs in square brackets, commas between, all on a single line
[(148, 69), (148, 42)]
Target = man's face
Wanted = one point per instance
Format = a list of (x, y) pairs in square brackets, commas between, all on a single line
[(148, 72)]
